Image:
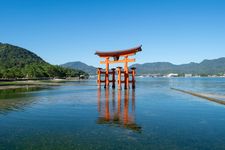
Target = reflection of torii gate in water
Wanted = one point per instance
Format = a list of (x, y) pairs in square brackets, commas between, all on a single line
[(116, 55), (120, 112)]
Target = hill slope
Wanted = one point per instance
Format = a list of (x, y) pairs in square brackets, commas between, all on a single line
[(81, 66), (17, 62), (209, 67)]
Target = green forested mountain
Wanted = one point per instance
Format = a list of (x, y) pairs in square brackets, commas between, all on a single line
[(81, 66), (206, 67), (17, 62)]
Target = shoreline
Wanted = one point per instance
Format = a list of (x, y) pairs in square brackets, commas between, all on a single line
[(18, 87), (5, 85)]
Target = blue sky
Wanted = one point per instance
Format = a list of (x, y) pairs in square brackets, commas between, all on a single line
[(178, 31)]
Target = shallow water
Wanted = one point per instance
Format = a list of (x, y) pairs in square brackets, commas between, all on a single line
[(81, 116)]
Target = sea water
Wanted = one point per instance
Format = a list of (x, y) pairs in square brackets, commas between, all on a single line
[(79, 115)]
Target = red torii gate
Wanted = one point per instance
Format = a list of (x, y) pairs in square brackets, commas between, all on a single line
[(116, 55)]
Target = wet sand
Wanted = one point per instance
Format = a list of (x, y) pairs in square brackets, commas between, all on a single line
[(37, 83), (29, 83)]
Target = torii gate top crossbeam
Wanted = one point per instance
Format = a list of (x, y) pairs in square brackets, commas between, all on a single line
[(119, 53)]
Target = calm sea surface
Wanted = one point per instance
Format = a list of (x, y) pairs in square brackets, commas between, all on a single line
[(81, 116)]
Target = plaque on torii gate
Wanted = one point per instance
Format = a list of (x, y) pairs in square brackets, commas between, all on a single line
[(112, 57)]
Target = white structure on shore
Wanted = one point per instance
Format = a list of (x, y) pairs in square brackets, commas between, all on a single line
[(172, 75)]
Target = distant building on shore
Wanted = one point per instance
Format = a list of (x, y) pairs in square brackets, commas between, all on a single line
[(187, 75)]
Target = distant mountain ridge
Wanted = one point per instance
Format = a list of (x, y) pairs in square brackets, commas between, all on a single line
[(80, 66), (206, 67)]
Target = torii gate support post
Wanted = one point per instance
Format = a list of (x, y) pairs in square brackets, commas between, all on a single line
[(99, 76), (119, 77), (113, 78), (133, 71)]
